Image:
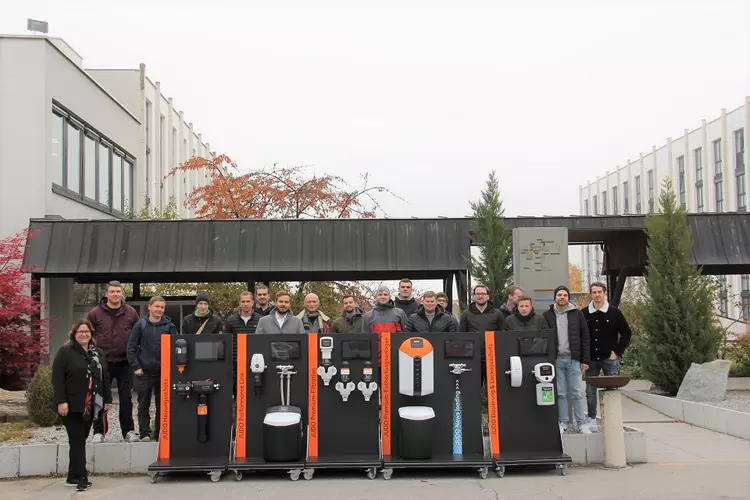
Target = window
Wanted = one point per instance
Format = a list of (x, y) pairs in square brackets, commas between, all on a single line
[(717, 156), (74, 159), (745, 297), (625, 201), (681, 182), (739, 169), (719, 190), (604, 203), (162, 146), (175, 158), (585, 207), (614, 200), (105, 166), (638, 194), (57, 136), (596, 206), (127, 186), (698, 160), (117, 181), (699, 197), (650, 180), (723, 296), (88, 173)]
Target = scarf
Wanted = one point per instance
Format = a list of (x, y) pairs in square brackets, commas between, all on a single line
[(94, 402)]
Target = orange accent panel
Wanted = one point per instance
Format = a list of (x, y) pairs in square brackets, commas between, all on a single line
[(202, 410), (241, 417), (312, 395), (413, 352), (385, 378), (489, 344), (166, 392)]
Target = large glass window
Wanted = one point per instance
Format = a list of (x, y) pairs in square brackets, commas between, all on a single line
[(745, 297), (74, 159), (105, 165), (638, 194), (723, 296), (650, 180), (89, 172), (699, 198), (614, 201), (127, 186), (625, 199), (57, 136), (717, 156), (604, 203), (739, 149), (116, 181), (719, 191), (596, 205), (681, 182)]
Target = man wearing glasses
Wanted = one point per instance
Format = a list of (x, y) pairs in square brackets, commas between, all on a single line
[(482, 315)]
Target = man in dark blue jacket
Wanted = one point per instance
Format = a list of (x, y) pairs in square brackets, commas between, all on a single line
[(144, 356)]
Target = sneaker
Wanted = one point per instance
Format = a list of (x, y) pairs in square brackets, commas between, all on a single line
[(584, 428), (83, 485), (563, 427), (145, 439), (132, 437), (98, 438)]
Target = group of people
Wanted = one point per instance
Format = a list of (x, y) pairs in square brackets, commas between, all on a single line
[(114, 345)]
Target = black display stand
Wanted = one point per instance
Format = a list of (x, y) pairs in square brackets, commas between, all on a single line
[(196, 400), (521, 431), (344, 434), (251, 407), (441, 401)]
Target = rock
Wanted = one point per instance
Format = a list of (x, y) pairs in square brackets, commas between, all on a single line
[(705, 383)]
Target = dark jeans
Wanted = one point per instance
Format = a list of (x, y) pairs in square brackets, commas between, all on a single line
[(121, 372), (78, 429), (609, 367), (145, 385)]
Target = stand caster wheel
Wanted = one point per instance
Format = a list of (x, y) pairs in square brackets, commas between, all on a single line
[(387, 473), (308, 474), (153, 476), (294, 474), (372, 473), (483, 473), (237, 475), (500, 471), (563, 469), (215, 476)]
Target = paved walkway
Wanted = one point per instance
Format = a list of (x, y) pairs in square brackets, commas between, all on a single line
[(680, 444)]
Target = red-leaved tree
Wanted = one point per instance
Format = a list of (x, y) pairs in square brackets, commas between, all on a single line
[(23, 336), (278, 193)]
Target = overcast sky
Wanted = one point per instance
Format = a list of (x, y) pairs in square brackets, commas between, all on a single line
[(427, 98)]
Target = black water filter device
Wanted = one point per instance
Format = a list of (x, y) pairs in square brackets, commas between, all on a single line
[(181, 354)]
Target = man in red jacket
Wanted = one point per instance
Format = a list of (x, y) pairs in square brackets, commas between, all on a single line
[(113, 319)]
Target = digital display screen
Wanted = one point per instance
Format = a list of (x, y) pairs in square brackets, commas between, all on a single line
[(285, 351), (209, 350), (545, 371), (533, 346), (417, 343), (459, 349), (355, 349)]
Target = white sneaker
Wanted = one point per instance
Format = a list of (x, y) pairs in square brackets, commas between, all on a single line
[(98, 438), (563, 427), (132, 437), (585, 428)]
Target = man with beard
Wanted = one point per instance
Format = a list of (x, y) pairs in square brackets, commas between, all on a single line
[(313, 319), (280, 319), (243, 321), (481, 316), (351, 318), (405, 301), (263, 304), (203, 319), (513, 295), (524, 318)]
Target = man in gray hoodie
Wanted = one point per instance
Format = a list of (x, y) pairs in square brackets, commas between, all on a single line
[(573, 357), (280, 319)]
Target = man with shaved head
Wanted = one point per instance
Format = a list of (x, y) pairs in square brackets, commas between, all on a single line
[(313, 319)]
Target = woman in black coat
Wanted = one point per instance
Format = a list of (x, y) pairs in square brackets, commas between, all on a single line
[(80, 391)]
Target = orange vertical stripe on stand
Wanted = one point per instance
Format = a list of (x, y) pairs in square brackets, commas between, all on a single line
[(241, 417), (385, 389), (492, 410), (312, 395), (165, 389)]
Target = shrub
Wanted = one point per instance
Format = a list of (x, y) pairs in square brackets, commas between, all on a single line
[(39, 398), (739, 355)]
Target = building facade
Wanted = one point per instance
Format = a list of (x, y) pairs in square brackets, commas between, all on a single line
[(708, 170)]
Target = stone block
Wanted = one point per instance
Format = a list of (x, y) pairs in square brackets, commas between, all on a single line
[(738, 424), (10, 461), (112, 458), (714, 418), (705, 383), (141, 456), (694, 413), (63, 457), (38, 460), (594, 448), (574, 445), (636, 451)]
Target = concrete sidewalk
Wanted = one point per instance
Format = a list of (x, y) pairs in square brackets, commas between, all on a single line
[(676, 443)]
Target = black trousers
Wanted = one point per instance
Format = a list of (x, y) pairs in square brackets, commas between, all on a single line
[(121, 372), (78, 430), (145, 385)]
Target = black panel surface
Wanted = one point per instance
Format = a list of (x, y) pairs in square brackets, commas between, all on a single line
[(441, 400), (351, 428), (184, 444), (526, 429)]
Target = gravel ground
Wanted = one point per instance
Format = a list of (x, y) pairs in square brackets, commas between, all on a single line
[(57, 434)]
